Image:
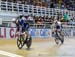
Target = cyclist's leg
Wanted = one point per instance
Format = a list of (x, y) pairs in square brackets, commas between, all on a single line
[(18, 31), (27, 34), (61, 32)]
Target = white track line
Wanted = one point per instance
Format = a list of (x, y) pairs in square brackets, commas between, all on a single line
[(9, 54)]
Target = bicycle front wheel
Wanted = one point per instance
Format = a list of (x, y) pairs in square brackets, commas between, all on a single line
[(20, 42)]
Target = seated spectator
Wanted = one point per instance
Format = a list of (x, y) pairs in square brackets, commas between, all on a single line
[(60, 17), (66, 17), (40, 21), (30, 18), (52, 5), (71, 22)]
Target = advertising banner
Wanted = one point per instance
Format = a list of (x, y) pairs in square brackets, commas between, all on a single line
[(35, 33)]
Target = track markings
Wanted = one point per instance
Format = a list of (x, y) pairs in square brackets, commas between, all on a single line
[(9, 54)]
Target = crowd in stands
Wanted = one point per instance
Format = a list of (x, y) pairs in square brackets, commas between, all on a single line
[(49, 20), (63, 4)]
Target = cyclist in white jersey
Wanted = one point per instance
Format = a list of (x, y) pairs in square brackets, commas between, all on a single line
[(57, 25)]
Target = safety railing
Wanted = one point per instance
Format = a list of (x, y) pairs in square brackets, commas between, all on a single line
[(30, 9)]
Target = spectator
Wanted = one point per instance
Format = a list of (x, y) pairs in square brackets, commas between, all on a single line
[(61, 18), (71, 22), (46, 19), (52, 5), (71, 17), (31, 19), (66, 17), (63, 6), (40, 21)]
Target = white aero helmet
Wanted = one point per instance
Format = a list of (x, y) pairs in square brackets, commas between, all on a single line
[(13, 19), (59, 23)]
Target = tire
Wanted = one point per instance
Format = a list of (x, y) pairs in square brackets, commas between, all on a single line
[(60, 38), (20, 42), (57, 41), (28, 42)]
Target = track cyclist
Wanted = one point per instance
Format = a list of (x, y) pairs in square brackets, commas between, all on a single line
[(57, 25), (22, 26), (58, 32)]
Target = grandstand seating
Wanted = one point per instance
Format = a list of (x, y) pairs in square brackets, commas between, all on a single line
[(16, 8), (70, 5), (30, 9)]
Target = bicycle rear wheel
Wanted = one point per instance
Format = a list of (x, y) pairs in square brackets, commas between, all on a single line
[(59, 38), (28, 42)]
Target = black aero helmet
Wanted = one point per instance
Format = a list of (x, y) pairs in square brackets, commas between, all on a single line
[(21, 16)]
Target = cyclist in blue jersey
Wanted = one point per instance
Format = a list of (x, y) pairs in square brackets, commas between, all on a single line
[(22, 31), (22, 26)]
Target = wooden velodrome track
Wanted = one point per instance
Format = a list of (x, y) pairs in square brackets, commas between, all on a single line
[(40, 48)]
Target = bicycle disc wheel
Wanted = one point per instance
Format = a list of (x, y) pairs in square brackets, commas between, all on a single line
[(28, 42)]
